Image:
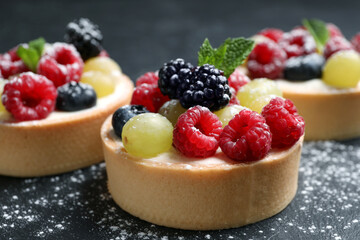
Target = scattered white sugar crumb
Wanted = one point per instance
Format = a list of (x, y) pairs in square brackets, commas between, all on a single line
[(207, 236)]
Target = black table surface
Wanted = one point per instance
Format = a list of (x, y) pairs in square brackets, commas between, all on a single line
[(141, 36)]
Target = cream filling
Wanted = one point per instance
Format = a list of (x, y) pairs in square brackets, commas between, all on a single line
[(101, 103), (313, 86)]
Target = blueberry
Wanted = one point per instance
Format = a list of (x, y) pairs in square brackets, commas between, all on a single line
[(123, 114), (304, 67), (74, 96)]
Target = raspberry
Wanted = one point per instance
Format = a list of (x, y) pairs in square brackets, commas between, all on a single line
[(61, 64), (149, 78), (29, 97), (85, 36), (286, 125), (233, 100), (272, 33), (171, 75), (11, 64), (104, 53), (246, 138), (267, 60), (334, 31), (355, 42), (150, 96), (196, 133), (238, 79), (298, 42), (336, 44), (207, 87)]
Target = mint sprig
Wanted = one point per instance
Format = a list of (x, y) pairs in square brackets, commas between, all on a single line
[(318, 30), (30, 53), (227, 56)]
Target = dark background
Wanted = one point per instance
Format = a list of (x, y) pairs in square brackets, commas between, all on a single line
[(141, 36)]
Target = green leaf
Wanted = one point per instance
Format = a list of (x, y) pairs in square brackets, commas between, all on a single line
[(227, 56), (30, 53), (318, 30)]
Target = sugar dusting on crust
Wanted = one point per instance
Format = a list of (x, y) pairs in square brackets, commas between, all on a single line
[(78, 204)]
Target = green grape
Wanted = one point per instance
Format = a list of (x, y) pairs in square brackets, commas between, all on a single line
[(227, 113), (258, 104), (255, 89), (102, 83), (342, 69), (172, 110), (102, 64), (147, 135)]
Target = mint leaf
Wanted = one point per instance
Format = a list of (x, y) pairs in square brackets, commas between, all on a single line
[(318, 30), (31, 53), (228, 56)]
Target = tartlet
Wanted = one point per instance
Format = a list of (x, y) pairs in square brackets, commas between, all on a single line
[(200, 194), (62, 142)]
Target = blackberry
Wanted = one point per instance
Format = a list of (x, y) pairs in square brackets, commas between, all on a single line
[(74, 96), (304, 67), (85, 36), (207, 86), (123, 114), (172, 75)]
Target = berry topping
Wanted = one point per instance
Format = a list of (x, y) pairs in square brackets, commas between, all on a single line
[(342, 69), (246, 138), (147, 135), (104, 53), (123, 114), (196, 134), (206, 87), (304, 67), (85, 36), (11, 64), (172, 110), (61, 64), (272, 33), (266, 60), (150, 96), (74, 96), (336, 44), (286, 125), (255, 89), (149, 78), (102, 64), (171, 75), (29, 97), (233, 99), (334, 31), (298, 42), (355, 42), (102, 83), (238, 79)]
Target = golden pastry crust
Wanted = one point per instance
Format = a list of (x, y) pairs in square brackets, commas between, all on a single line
[(332, 114), (200, 196), (58, 144)]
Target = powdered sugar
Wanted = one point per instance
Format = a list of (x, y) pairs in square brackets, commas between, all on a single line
[(78, 205)]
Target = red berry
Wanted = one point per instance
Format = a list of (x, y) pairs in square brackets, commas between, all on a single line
[(196, 133), (334, 31), (149, 96), (355, 42), (272, 33), (61, 64), (11, 64), (149, 78), (336, 44), (233, 99), (238, 79), (246, 138), (29, 96), (104, 53), (266, 60), (286, 125), (297, 42)]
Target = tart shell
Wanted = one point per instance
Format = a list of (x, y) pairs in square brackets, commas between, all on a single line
[(58, 145), (200, 197)]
